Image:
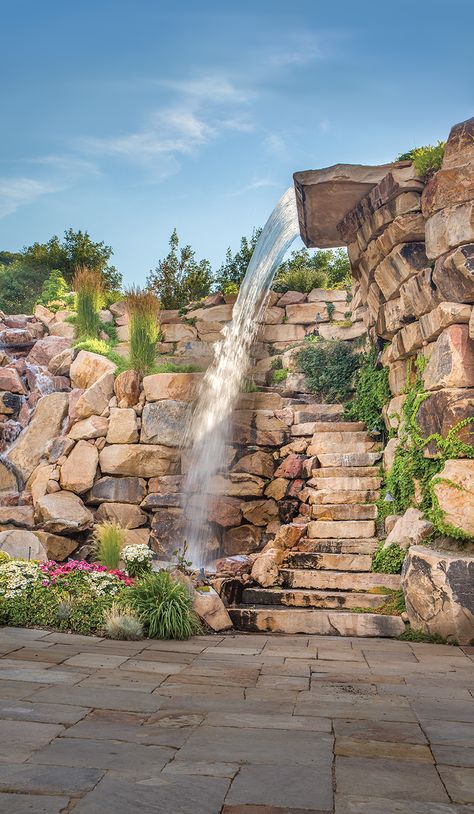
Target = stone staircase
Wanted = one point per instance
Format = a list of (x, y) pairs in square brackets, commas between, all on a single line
[(326, 581)]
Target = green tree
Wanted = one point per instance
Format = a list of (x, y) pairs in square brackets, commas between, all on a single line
[(232, 271), (324, 268), (179, 278)]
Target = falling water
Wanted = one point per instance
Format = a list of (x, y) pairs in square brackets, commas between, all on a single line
[(207, 433)]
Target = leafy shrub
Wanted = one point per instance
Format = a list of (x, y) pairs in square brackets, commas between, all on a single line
[(279, 375), (304, 271), (109, 539), (329, 366), (388, 560), (143, 309), (165, 607), (89, 286), (426, 160), (179, 278), (122, 623), (56, 293), (137, 559), (372, 392), (300, 279)]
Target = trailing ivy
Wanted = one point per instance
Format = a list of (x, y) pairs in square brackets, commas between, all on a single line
[(388, 560), (371, 394)]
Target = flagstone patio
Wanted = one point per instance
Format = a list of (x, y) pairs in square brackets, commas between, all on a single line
[(235, 724)]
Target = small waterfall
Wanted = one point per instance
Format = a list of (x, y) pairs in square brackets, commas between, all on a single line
[(208, 429)]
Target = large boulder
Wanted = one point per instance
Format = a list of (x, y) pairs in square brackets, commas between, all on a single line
[(241, 540), (410, 529), (123, 427), (448, 228), (210, 608), (444, 315), (57, 548), (260, 512), (265, 569), (26, 452), (142, 460), (127, 388), (163, 422), (117, 490), (438, 593), (46, 349), (451, 363), (10, 380), (125, 514), (95, 399), (454, 490), (256, 463), (453, 275), (95, 426), (22, 544), (78, 472), (174, 386), (87, 367), (178, 332), (63, 512), (442, 410)]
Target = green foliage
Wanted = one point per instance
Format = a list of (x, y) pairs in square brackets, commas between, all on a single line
[(372, 392), (411, 467), (279, 375), (123, 624), (4, 557), (232, 271), (389, 560), (393, 606), (304, 271), (248, 386), (330, 308), (109, 539), (329, 366), (426, 160), (111, 331), (88, 285), (143, 309), (165, 607), (412, 635), (22, 274), (179, 278), (172, 367), (55, 292)]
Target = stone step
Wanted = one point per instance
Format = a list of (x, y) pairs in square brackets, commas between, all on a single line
[(299, 598), (324, 529), (321, 445), (328, 496), (346, 472), (343, 484), (338, 436), (344, 511), (339, 546), (337, 580), (336, 458), (340, 426), (329, 562), (322, 622), (318, 412)]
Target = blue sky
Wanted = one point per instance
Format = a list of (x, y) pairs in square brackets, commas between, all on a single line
[(130, 117)]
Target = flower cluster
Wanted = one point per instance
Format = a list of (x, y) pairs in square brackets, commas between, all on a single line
[(136, 553), (16, 576), (80, 575)]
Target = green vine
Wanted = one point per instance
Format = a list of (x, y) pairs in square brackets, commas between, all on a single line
[(388, 560), (371, 393)]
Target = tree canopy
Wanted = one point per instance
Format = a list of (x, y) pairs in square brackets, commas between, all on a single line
[(232, 271), (179, 278)]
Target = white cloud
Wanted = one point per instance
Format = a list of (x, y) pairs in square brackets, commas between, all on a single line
[(213, 88), (16, 192), (276, 145), (304, 48), (259, 183)]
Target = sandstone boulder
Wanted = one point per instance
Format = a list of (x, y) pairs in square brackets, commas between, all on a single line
[(451, 363), (260, 512), (283, 333), (178, 332), (389, 453), (38, 482), (241, 540), (277, 488), (453, 275), (256, 463), (448, 228), (22, 544), (10, 380), (438, 593), (265, 570), (418, 295), (125, 514), (442, 410), (122, 426), (27, 450), (127, 388), (444, 315), (401, 264), (57, 548), (237, 485), (210, 608), (167, 531), (117, 490), (95, 426), (45, 349), (8, 480), (88, 367), (164, 422), (173, 386), (454, 490), (16, 516), (142, 460), (290, 467), (291, 298), (95, 399), (78, 473), (63, 512), (410, 529), (218, 313), (59, 446)]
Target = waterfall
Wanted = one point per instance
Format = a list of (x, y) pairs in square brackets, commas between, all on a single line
[(207, 433)]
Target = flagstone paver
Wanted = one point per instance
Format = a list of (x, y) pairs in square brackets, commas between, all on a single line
[(234, 724)]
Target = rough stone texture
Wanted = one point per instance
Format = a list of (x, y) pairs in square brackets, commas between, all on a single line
[(402, 262), (125, 514), (418, 295), (449, 228), (210, 607), (78, 473), (167, 528), (10, 380), (60, 364), (88, 367), (454, 490), (127, 388), (95, 426), (63, 512), (410, 529), (241, 540), (438, 593), (174, 386), (451, 363), (283, 333), (122, 426), (444, 315), (45, 349), (117, 490), (26, 452), (256, 463), (453, 275), (163, 422), (95, 399), (442, 410), (22, 544), (260, 512), (144, 461), (57, 548)]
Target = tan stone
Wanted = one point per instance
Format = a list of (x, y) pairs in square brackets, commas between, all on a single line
[(122, 426), (127, 388), (10, 380), (60, 364), (419, 295), (409, 529), (237, 485), (347, 332), (277, 488), (8, 481), (448, 228), (175, 386), (444, 315), (327, 496), (401, 264), (437, 586), (210, 608), (29, 447), (178, 332), (265, 570), (63, 512), (327, 295), (390, 318), (241, 540), (144, 461), (93, 427), (22, 544), (88, 367), (45, 349), (256, 463), (406, 342), (398, 374), (454, 490), (451, 363), (438, 413), (287, 536), (57, 548), (218, 313), (305, 313), (78, 473), (273, 315), (342, 512), (125, 514), (453, 275), (259, 512), (38, 482), (350, 529), (283, 333), (95, 399), (392, 412)]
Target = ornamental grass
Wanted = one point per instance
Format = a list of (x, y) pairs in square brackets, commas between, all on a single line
[(143, 311), (89, 287)]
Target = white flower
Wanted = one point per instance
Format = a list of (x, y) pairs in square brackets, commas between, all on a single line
[(136, 553)]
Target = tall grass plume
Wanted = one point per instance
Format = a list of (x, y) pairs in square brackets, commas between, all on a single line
[(109, 539), (143, 310), (89, 287)]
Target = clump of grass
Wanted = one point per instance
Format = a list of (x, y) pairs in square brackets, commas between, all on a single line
[(279, 375), (165, 607), (143, 308), (172, 367), (109, 539), (426, 160), (89, 287), (122, 623)]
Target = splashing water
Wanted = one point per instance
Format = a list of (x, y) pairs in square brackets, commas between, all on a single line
[(207, 433)]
